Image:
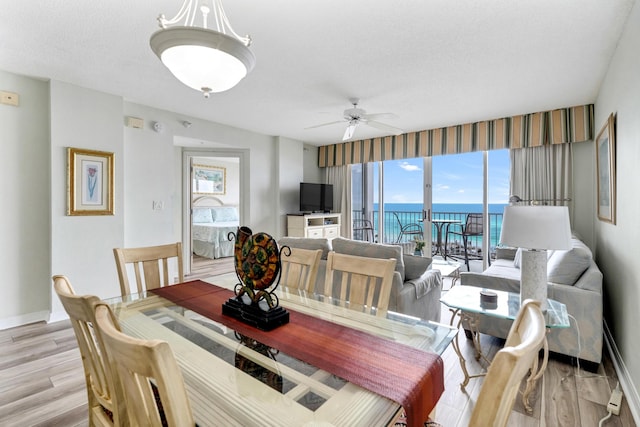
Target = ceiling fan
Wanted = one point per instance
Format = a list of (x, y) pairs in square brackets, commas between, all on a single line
[(355, 116)]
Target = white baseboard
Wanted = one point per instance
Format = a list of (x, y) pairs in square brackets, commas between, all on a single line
[(24, 319), (628, 387)]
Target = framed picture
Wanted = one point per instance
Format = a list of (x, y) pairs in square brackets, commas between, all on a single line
[(209, 180), (89, 182), (606, 171)]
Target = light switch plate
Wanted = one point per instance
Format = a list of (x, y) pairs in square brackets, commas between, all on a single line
[(9, 98)]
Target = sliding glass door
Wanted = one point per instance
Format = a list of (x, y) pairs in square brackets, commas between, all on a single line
[(430, 199)]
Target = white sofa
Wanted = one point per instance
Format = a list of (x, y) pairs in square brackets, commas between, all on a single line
[(416, 289), (573, 279)]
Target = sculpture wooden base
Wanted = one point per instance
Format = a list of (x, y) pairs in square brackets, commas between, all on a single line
[(265, 320)]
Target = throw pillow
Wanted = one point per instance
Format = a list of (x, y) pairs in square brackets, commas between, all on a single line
[(517, 259), (415, 266), (566, 267)]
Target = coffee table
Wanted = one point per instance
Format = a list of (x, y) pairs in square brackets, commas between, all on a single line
[(464, 303)]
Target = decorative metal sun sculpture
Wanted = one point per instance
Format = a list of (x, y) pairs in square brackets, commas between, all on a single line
[(257, 265)]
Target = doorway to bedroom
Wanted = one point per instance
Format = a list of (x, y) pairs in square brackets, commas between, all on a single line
[(214, 206)]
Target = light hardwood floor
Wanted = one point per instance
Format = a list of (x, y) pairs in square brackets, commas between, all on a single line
[(42, 382)]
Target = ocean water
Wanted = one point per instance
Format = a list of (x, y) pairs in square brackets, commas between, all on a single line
[(411, 213), (494, 208)]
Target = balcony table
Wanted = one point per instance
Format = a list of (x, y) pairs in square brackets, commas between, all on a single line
[(235, 380), (440, 225)]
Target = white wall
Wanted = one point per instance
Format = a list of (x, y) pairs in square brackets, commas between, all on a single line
[(40, 240), (311, 171), (618, 246), (24, 197), (291, 170), (81, 246)]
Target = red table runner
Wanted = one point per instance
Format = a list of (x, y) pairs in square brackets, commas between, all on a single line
[(412, 377)]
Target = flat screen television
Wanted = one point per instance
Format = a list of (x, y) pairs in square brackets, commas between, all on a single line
[(316, 197)]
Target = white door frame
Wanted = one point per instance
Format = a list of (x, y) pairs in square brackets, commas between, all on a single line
[(243, 208)]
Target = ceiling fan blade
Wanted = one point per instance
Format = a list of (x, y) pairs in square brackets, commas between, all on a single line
[(348, 133), (384, 127), (378, 116), (325, 124)]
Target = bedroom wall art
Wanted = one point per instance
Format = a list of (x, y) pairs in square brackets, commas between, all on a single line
[(606, 170), (89, 182), (209, 180)]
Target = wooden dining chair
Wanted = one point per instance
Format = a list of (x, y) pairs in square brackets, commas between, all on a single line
[(361, 281), (152, 386), (300, 268), (104, 410), (150, 265), (520, 354)]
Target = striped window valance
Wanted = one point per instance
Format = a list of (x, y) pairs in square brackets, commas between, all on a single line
[(573, 124)]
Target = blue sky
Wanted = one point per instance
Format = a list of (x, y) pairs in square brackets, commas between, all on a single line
[(456, 178)]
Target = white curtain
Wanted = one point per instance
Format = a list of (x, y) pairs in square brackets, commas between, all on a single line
[(340, 177), (542, 174)]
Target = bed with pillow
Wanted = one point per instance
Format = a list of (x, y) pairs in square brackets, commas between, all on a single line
[(212, 221)]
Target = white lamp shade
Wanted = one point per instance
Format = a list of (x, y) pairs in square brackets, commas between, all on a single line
[(203, 59), (536, 227)]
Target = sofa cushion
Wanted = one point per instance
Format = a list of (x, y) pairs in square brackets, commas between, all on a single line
[(307, 243), (566, 267), (415, 266), (371, 250)]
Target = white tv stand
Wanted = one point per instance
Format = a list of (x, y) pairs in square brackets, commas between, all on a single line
[(316, 225)]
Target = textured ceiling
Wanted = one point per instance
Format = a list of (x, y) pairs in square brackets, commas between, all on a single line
[(431, 63)]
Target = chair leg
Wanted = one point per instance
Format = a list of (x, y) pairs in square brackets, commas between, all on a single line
[(466, 254)]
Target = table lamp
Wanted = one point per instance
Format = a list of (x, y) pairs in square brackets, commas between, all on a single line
[(535, 229)]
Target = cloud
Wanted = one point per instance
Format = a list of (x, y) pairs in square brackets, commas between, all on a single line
[(461, 191), (409, 167)]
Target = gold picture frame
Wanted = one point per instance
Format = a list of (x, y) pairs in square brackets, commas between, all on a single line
[(89, 182), (606, 170), (209, 179)]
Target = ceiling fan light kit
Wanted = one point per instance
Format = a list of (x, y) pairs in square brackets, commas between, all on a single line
[(355, 116), (204, 59)]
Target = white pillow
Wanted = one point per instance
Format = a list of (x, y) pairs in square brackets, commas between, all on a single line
[(566, 267), (202, 215), (224, 213), (517, 259)]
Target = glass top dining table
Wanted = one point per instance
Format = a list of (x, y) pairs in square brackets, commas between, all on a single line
[(233, 380)]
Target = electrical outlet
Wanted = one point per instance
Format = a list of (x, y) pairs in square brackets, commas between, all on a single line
[(615, 401), (9, 98)]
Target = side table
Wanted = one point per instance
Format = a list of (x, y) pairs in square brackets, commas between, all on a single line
[(464, 303), (447, 269)]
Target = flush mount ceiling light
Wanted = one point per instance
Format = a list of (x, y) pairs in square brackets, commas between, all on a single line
[(204, 59)]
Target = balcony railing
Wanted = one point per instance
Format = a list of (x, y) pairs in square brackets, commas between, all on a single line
[(395, 220)]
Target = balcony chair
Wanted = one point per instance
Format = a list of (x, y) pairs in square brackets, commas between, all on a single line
[(362, 281), (150, 265), (104, 409), (519, 354), (363, 230), (139, 362), (414, 230), (473, 227)]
